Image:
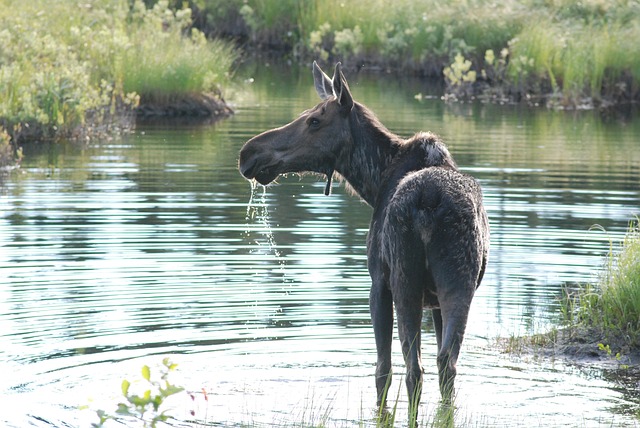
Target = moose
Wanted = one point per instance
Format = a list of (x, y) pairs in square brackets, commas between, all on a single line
[(428, 240)]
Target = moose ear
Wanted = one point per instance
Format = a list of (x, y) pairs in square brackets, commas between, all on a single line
[(322, 82), (341, 89)]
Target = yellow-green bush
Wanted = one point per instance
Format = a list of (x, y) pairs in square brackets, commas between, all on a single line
[(6, 150)]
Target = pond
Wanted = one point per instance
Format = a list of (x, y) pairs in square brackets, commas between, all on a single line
[(152, 245)]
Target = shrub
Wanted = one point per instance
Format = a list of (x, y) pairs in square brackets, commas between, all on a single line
[(6, 150)]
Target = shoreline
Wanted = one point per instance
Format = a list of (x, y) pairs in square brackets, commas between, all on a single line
[(103, 123), (497, 91), (581, 347)]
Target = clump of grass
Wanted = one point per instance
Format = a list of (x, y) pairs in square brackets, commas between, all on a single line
[(176, 60), (612, 306), (582, 62)]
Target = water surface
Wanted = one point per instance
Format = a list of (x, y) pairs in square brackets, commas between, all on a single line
[(122, 253)]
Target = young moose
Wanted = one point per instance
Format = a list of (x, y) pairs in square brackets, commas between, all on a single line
[(428, 240)]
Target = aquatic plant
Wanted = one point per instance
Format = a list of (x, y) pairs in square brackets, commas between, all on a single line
[(145, 407)]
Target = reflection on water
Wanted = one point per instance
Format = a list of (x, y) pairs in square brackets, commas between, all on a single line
[(115, 255)]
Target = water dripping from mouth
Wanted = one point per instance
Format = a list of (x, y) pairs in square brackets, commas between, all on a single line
[(258, 229)]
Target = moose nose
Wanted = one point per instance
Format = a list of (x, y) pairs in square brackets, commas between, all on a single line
[(246, 167)]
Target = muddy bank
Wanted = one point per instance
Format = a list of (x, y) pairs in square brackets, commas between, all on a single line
[(205, 107), (591, 346), (578, 344)]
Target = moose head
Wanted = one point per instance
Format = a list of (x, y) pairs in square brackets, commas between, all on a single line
[(311, 143)]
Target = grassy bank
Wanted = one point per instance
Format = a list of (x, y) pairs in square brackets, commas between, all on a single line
[(611, 308), (567, 53), (69, 68), (601, 320)]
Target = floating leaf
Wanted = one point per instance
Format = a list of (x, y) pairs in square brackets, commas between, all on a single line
[(125, 387)]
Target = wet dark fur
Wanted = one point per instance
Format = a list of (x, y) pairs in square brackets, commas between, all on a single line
[(428, 240)]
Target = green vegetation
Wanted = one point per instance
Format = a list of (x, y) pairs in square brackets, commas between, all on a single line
[(169, 59), (568, 53), (146, 407), (612, 307), (69, 67)]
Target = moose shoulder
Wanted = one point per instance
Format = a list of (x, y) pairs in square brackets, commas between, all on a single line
[(428, 241)]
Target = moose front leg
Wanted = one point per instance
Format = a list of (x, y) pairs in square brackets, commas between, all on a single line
[(381, 307)]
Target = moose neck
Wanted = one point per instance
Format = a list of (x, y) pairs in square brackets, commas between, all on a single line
[(368, 155)]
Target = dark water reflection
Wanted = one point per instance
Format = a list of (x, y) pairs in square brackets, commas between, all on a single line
[(116, 255)]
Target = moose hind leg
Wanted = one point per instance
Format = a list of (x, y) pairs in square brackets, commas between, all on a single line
[(437, 325), (407, 278), (381, 307), (454, 319), (409, 322)]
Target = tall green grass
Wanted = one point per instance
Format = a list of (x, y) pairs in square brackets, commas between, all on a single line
[(167, 58), (62, 62), (596, 60), (612, 306)]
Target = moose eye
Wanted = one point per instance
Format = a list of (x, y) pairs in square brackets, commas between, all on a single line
[(314, 121)]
